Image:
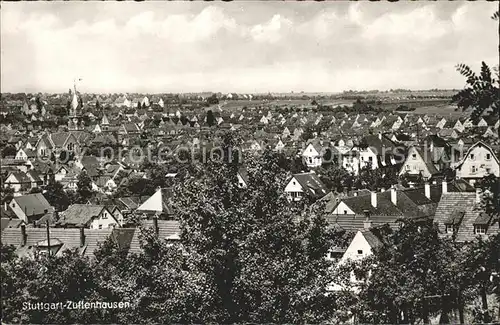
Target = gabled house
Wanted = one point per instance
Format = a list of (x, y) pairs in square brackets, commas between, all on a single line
[(54, 143), (158, 204), (18, 181), (25, 154), (305, 184), (460, 215), (479, 161), (31, 207), (312, 155), (419, 162), (89, 216)]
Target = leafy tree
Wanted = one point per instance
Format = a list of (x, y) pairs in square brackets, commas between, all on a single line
[(56, 196), (375, 179), (213, 100), (84, 187), (261, 263), (39, 104), (60, 111), (481, 92), (210, 118), (9, 151), (412, 274), (334, 178)]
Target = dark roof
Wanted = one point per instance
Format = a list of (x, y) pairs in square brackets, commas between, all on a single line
[(80, 214), (311, 184), (463, 201), (167, 229), (69, 238)]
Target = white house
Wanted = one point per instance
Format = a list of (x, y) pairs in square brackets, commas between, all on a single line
[(479, 161), (305, 184), (90, 216), (313, 155)]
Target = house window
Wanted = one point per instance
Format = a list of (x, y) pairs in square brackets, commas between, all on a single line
[(408, 167), (345, 211), (360, 251), (100, 226), (471, 156), (488, 156), (450, 229), (480, 229), (105, 215), (42, 152), (71, 146), (370, 159), (473, 169), (414, 156)]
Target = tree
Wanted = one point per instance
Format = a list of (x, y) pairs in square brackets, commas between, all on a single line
[(84, 187), (375, 179), (480, 93), (414, 274), (56, 196), (261, 263), (9, 151), (213, 100), (39, 104), (335, 178), (210, 118)]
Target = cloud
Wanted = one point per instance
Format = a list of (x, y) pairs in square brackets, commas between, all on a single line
[(233, 46), (418, 24), (271, 31)]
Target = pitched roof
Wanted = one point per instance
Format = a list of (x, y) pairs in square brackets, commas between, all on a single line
[(69, 238), (80, 214), (33, 204), (452, 205), (311, 184), (167, 229)]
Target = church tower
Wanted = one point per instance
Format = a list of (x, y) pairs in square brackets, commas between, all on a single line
[(75, 122)]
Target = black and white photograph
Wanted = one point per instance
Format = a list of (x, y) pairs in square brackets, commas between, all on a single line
[(250, 162)]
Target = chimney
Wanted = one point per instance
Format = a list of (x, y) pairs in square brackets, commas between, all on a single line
[(367, 224), (394, 196), (24, 236), (427, 188), (380, 136), (478, 194), (155, 225), (82, 236), (374, 199), (445, 187)]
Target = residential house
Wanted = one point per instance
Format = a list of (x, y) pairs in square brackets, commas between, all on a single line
[(313, 154), (479, 161), (461, 215), (305, 184), (31, 207), (89, 216), (158, 204), (30, 242)]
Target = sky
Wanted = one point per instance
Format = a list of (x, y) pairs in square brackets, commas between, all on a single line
[(245, 47)]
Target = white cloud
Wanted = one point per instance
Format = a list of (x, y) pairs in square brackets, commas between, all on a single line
[(272, 31), (419, 24)]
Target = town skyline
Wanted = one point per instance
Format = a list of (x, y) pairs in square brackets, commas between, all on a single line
[(242, 48)]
